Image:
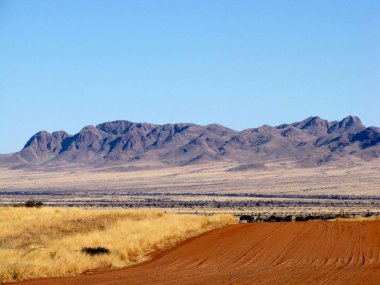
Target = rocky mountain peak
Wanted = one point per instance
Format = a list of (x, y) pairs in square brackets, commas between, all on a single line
[(308, 142)]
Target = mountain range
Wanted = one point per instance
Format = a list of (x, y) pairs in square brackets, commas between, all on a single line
[(311, 142)]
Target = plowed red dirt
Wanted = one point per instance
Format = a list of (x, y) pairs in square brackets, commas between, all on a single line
[(265, 253)]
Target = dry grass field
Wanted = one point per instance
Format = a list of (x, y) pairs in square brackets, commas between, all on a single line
[(359, 219), (43, 242)]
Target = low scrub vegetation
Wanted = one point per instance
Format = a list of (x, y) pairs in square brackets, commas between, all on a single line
[(308, 217), (42, 242)]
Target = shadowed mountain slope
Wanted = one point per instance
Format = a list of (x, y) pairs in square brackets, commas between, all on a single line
[(310, 142)]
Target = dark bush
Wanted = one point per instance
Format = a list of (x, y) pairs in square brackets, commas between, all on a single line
[(247, 218), (278, 219), (272, 219), (95, 250), (287, 218), (301, 219), (317, 217), (328, 217), (31, 204)]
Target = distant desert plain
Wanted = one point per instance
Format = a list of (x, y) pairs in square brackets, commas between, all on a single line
[(204, 188)]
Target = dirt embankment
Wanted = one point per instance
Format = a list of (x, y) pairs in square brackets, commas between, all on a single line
[(267, 253)]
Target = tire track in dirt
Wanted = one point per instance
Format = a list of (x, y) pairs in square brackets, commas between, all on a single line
[(264, 253)]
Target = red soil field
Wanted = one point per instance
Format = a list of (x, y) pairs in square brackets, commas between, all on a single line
[(262, 253)]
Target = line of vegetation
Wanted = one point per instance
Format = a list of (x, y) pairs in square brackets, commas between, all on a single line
[(195, 194), (259, 218)]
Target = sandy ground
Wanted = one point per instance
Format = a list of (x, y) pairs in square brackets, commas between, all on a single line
[(356, 179), (266, 253)]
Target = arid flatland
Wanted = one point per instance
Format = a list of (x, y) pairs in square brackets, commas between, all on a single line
[(208, 187)]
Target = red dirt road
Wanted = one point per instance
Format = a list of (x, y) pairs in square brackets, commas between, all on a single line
[(265, 253)]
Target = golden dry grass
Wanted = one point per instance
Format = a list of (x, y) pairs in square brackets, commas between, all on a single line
[(41, 242), (359, 219)]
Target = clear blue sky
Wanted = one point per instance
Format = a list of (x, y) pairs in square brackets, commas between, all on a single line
[(66, 64)]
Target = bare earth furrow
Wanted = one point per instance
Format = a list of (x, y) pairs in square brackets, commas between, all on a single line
[(264, 253)]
